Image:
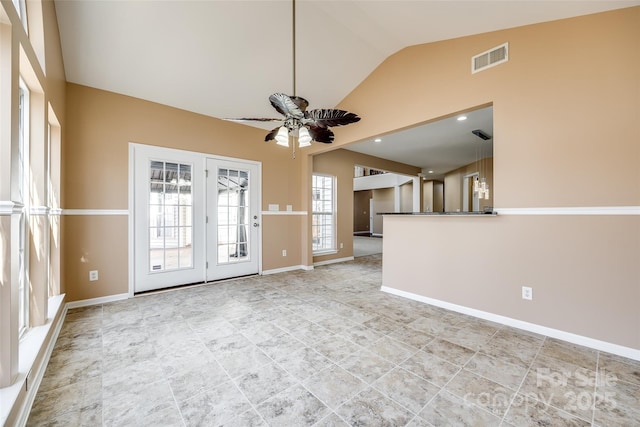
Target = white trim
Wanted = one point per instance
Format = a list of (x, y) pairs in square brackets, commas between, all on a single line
[(39, 210), (97, 301), (284, 269), (31, 373), (581, 210), (376, 234), (284, 213), (95, 212), (608, 347), (8, 207), (325, 252), (131, 221), (333, 261)]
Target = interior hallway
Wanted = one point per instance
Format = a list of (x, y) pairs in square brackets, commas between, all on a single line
[(325, 348)]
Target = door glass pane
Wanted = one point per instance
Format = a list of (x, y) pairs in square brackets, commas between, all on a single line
[(170, 216), (233, 216)]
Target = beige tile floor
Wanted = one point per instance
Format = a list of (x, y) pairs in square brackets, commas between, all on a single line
[(323, 348)]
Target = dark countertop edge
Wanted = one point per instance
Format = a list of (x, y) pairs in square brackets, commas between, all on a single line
[(492, 213)]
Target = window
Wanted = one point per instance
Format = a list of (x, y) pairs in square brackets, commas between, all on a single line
[(233, 215), (22, 198), (21, 8), (324, 212), (170, 216)]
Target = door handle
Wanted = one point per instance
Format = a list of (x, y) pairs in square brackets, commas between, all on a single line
[(255, 224)]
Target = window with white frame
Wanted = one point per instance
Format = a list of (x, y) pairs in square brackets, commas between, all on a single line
[(23, 189), (21, 8), (324, 213)]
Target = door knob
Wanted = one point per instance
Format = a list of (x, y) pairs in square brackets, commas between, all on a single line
[(255, 224)]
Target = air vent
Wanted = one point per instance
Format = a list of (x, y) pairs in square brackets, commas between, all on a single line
[(490, 58)]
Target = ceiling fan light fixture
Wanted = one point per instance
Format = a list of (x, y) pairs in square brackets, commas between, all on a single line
[(304, 139), (282, 137)]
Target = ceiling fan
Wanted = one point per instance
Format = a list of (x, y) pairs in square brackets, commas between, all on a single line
[(307, 126)]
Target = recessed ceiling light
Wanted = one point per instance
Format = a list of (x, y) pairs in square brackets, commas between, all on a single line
[(461, 118), (430, 171), (377, 140)]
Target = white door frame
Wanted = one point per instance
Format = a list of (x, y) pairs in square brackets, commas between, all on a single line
[(132, 198)]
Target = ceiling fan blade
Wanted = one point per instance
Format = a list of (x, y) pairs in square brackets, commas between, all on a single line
[(272, 135), (300, 102), (287, 106), (330, 117), (253, 119), (321, 134)]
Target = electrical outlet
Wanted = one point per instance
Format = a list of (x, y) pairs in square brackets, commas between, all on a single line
[(341, 245), (527, 293), (284, 252), (93, 275)]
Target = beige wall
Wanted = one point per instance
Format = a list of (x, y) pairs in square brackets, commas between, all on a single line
[(438, 196), (562, 120), (383, 201), (95, 152), (432, 196), (281, 232), (427, 196), (406, 197), (583, 269), (558, 122), (361, 206)]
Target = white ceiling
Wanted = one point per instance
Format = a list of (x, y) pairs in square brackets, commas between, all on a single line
[(224, 58), (437, 147)]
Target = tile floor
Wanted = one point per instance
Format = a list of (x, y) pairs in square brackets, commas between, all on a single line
[(322, 348)]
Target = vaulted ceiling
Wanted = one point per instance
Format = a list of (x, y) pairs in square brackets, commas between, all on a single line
[(224, 58)]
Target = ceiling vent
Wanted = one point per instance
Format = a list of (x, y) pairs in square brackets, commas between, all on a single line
[(490, 58)]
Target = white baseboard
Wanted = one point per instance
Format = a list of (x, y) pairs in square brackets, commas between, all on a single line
[(96, 301), (376, 235), (608, 347), (285, 269), (333, 261)]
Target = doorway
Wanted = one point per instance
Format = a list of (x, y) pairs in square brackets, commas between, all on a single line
[(195, 218), (469, 197)]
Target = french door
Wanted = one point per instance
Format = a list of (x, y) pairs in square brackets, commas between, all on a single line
[(233, 218), (195, 218)]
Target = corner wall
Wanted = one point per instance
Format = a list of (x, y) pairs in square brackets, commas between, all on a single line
[(563, 121)]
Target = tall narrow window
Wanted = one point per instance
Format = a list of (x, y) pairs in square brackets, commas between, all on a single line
[(170, 216), (323, 221), (21, 8), (233, 215), (23, 188)]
